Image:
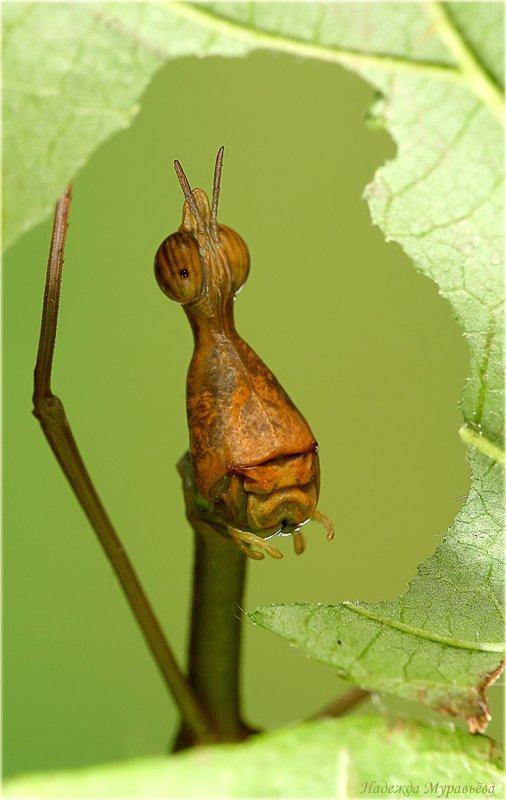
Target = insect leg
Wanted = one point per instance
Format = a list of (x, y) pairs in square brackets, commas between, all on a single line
[(326, 522), (246, 549), (250, 538), (299, 544)]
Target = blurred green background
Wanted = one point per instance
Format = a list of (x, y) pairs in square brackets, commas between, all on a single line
[(363, 344)]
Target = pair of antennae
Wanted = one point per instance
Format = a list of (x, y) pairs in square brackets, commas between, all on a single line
[(185, 186)]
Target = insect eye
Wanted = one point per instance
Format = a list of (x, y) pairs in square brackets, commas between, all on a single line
[(237, 254), (178, 269)]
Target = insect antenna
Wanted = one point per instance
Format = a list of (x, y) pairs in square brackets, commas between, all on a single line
[(216, 188), (185, 186)]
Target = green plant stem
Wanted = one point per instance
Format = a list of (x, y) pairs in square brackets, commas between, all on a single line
[(49, 410), (213, 668), (215, 634)]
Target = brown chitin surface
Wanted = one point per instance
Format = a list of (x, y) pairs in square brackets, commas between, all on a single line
[(252, 453), (239, 416)]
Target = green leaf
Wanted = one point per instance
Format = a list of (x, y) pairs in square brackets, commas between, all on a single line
[(72, 76), (73, 73), (440, 643), (441, 200), (330, 758)]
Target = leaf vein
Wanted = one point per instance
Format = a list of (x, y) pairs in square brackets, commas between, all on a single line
[(487, 647)]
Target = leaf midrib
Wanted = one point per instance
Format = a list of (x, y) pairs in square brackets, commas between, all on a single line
[(420, 633), (468, 71), (475, 438)]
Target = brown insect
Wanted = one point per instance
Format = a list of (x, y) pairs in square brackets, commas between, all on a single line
[(253, 455)]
